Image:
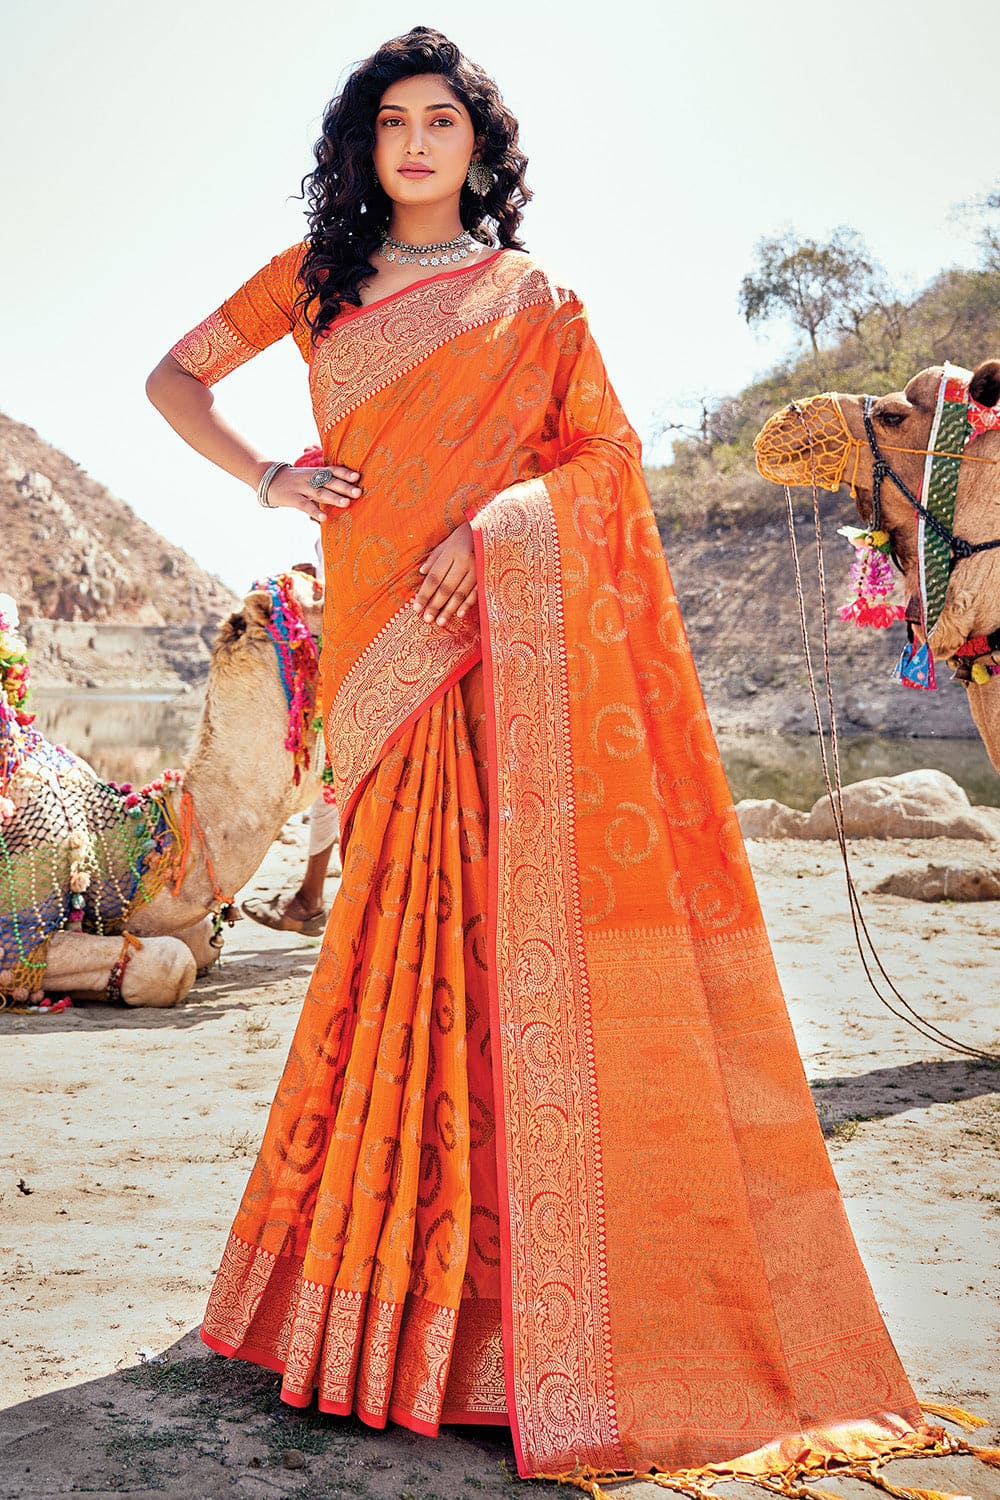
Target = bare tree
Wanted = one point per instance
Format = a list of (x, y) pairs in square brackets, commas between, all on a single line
[(697, 431), (988, 206)]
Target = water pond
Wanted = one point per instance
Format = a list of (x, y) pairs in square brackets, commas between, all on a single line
[(133, 738)]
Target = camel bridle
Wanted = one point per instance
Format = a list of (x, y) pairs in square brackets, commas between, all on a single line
[(882, 470)]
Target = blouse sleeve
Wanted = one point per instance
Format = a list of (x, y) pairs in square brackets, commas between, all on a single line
[(257, 314)]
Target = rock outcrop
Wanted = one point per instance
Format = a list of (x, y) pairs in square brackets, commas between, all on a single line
[(915, 805), (972, 880)]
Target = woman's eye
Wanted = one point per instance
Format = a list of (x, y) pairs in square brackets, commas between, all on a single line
[(444, 120)]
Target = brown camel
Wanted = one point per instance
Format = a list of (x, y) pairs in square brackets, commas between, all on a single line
[(241, 782), (824, 437)]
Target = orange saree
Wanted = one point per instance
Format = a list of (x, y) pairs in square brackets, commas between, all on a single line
[(543, 1150)]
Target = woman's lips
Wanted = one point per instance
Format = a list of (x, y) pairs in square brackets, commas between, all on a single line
[(415, 171)]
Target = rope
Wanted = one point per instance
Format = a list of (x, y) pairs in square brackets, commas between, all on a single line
[(834, 787), (966, 457), (187, 828), (116, 978)]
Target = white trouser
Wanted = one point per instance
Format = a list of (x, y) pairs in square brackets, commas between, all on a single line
[(324, 825)]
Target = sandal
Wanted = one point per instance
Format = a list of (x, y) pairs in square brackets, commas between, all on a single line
[(273, 912)]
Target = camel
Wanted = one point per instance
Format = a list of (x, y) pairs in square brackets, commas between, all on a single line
[(240, 785), (824, 438)]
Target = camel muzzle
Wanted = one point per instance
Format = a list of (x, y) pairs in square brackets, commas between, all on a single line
[(808, 442)]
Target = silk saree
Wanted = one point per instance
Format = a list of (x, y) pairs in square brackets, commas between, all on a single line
[(543, 1152)]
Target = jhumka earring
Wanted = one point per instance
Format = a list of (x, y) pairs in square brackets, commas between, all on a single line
[(480, 178)]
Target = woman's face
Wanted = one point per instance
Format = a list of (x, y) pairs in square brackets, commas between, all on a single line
[(424, 141)]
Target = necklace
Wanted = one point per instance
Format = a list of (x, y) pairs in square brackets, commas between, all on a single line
[(438, 254)]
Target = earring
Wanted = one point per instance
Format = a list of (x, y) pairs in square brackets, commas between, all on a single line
[(480, 178)]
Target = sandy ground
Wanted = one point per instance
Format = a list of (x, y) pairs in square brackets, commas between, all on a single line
[(127, 1137)]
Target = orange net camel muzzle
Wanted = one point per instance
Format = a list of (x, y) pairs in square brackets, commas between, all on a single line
[(808, 442)]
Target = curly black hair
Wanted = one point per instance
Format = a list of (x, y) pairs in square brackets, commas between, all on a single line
[(349, 210)]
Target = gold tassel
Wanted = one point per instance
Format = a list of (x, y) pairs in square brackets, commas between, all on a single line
[(582, 1479), (679, 1486), (868, 1475), (953, 1414), (794, 1489), (990, 1456), (588, 1480), (792, 1484)]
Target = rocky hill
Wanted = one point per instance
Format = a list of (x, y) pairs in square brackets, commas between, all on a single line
[(74, 551)]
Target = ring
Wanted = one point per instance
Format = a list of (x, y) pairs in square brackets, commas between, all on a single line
[(320, 479)]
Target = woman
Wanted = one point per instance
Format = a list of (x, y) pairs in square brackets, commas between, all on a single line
[(543, 1151)]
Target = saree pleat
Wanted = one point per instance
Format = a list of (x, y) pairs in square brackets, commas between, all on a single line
[(371, 1214)]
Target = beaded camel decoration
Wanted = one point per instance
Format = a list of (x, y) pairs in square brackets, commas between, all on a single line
[(118, 892)]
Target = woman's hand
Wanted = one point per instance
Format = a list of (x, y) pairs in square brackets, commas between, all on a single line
[(449, 586), (290, 489)]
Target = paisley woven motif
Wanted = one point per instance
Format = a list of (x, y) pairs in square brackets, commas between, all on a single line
[(212, 350), (374, 346)]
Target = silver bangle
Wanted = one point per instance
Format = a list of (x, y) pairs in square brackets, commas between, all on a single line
[(265, 484)]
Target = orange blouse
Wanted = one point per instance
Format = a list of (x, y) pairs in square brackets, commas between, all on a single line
[(258, 314)]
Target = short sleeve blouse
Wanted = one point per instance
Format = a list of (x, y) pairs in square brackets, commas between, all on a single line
[(257, 314)]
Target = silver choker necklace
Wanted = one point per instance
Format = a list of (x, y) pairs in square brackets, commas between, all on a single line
[(439, 254)]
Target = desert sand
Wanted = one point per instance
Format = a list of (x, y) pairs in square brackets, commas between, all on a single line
[(127, 1137)]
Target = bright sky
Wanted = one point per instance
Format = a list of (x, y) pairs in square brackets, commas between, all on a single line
[(150, 151)]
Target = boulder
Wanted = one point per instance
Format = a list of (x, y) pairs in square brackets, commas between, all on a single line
[(915, 805), (973, 880), (764, 818)]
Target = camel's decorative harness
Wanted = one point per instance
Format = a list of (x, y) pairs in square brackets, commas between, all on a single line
[(825, 467), (958, 419)]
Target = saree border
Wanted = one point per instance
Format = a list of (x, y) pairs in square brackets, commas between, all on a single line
[(556, 1313), (408, 665), (378, 344)]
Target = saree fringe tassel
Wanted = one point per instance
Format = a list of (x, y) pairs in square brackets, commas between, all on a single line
[(792, 1482), (954, 1414), (786, 1485)]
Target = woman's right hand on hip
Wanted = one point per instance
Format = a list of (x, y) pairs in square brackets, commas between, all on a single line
[(291, 490)]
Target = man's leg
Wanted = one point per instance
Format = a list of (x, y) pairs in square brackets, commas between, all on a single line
[(305, 909)]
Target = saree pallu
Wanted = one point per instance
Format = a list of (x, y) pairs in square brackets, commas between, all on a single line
[(543, 1151)]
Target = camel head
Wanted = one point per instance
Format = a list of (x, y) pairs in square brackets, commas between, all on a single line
[(822, 439), (265, 655), (252, 623)]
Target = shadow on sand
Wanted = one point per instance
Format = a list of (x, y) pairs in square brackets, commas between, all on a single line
[(191, 1424), (882, 1092), (232, 985)]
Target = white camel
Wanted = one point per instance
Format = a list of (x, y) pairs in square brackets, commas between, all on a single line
[(239, 787)]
